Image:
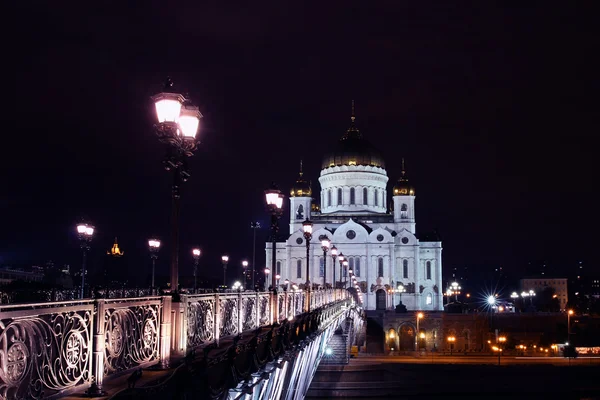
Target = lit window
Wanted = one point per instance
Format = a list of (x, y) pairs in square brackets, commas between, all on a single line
[(429, 299)]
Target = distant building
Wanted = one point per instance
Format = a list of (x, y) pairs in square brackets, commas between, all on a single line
[(379, 243), (10, 274), (539, 284)]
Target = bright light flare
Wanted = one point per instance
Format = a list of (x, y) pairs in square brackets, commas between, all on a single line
[(196, 252), (154, 243), (168, 109)]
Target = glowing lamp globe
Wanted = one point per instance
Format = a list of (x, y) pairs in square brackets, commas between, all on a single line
[(325, 243), (168, 107), (334, 252), (81, 228), (154, 243), (196, 252), (225, 258), (307, 227), (274, 198), (189, 120), (491, 300)]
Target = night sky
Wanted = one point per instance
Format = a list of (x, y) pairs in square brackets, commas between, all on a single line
[(493, 106)]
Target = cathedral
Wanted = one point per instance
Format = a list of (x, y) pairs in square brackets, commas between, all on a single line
[(380, 245)]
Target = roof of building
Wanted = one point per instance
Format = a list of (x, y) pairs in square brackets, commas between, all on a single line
[(353, 149)]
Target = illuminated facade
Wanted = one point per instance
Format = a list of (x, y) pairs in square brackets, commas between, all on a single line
[(380, 244)]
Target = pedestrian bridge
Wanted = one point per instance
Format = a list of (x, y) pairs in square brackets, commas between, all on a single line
[(244, 345)]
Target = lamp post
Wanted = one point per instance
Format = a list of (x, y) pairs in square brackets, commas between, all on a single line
[(154, 245), (196, 256), (569, 313), (177, 126), (85, 233), (455, 287), (245, 272), (419, 317), (345, 262), (254, 226), (400, 290), (225, 260), (325, 243), (267, 272), (501, 341), (451, 340), (274, 199), (334, 254), (307, 227), (341, 258)]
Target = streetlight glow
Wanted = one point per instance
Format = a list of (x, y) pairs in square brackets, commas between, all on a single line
[(491, 300), (189, 121), (225, 258), (196, 252)]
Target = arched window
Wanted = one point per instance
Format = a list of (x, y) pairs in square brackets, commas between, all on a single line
[(405, 268), (329, 198), (351, 264), (404, 211), (352, 196), (428, 272), (365, 197), (321, 267), (380, 267), (299, 269), (376, 197), (429, 299), (278, 268), (357, 267), (339, 199), (300, 212)]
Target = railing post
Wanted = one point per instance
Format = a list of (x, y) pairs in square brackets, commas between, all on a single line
[(257, 306), (217, 319), (165, 332), (98, 350), (240, 316)]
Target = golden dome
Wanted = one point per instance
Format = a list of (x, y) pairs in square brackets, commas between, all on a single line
[(115, 251), (302, 187), (403, 187)]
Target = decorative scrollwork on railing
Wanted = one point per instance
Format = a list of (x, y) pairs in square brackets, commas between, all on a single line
[(200, 321), (264, 309), (299, 302), (229, 316), (42, 355), (131, 337), (248, 313), (281, 299)]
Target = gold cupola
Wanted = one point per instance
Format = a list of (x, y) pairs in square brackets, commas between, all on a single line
[(115, 251), (302, 187), (403, 187)]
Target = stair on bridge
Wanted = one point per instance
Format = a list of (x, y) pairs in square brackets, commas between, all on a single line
[(339, 345)]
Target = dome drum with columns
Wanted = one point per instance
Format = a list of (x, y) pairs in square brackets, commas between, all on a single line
[(380, 245)]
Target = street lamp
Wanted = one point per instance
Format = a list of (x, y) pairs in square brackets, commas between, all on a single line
[(84, 233), (245, 272), (501, 341), (267, 272), (196, 256), (569, 313), (455, 290), (334, 254), (277, 278), (325, 243), (254, 226), (419, 317), (154, 245), (307, 227), (274, 199), (341, 258), (400, 289), (177, 126), (345, 262), (451, 340), (225, 260)]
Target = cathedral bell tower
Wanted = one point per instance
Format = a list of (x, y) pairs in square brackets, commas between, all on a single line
[(404, 203), (300, 202)]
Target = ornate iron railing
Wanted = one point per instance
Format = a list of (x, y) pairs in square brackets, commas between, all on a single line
[(131, 332), (52, 347), (45, 348)]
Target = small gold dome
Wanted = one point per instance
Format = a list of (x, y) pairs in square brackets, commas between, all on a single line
[(302, 187), (403, 187)]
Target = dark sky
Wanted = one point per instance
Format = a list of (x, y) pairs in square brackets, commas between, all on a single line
[(493, 105)]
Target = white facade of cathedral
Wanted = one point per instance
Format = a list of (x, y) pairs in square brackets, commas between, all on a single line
[(380, 246)]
